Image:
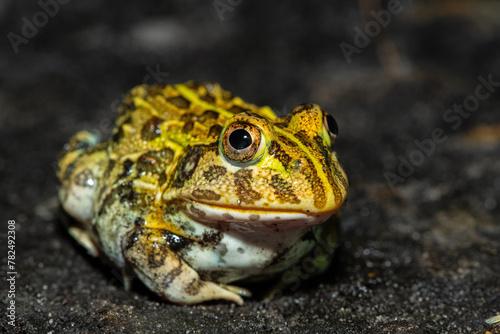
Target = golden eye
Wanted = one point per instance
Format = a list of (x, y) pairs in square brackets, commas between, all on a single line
[(241, 142), (331, 127)]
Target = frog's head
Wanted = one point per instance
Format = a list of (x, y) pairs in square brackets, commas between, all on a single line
[(280, 170)]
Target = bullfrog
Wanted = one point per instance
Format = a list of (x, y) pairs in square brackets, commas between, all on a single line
[(196, 189)]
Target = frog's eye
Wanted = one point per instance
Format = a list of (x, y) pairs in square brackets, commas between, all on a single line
[(241, 142), (330, 127)]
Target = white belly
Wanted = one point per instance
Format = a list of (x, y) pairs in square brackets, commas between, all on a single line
[(243, 251)]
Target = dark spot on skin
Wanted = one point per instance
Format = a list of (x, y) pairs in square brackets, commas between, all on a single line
[(132, 239), (157, 254), (324, 150), (213, 148), (317, 186), (186, 117), (162, 178), (154, 162), (254, 217), (179, 102), (127, 168), (222, 248), (197, 212), (283, 190), (172, 275), (157, 246), (146, 164), (208, 98), (193, 287), (211, 275), (237, 109), (109, 169), (205, 194), (126, 193), (211, 239), (227, 216), (279, 154), (209, 114), (215, 130), (241, 250), (303, 137), (214, 173), (139, 222), (242, 181), (187, 166), (188, 126), (117, 134), (175, 242), (152, 128)]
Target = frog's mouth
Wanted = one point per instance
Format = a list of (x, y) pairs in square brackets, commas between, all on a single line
[(210, 212)]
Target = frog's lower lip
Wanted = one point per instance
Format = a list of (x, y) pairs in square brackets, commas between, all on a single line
[(210, 212)]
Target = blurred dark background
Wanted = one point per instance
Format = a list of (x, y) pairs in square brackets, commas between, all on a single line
[(419, 251)]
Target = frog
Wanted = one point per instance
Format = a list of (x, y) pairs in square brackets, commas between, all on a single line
[(196, 189)]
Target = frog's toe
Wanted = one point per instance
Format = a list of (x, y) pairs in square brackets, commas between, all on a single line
[(211, 290), (237, 289)]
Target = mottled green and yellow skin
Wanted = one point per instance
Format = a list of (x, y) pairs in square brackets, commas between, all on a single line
[(197, 189)]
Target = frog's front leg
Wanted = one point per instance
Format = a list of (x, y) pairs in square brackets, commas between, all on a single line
[(167, 274)]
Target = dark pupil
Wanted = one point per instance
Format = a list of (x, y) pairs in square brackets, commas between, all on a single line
[(240, 139), (332, 125)]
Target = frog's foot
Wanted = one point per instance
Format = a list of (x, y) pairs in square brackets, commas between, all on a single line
[(164, 272)]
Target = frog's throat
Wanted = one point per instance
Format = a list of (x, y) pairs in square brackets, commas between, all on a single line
[(236, 214)]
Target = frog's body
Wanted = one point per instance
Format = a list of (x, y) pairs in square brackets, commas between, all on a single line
[(197, 189)]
